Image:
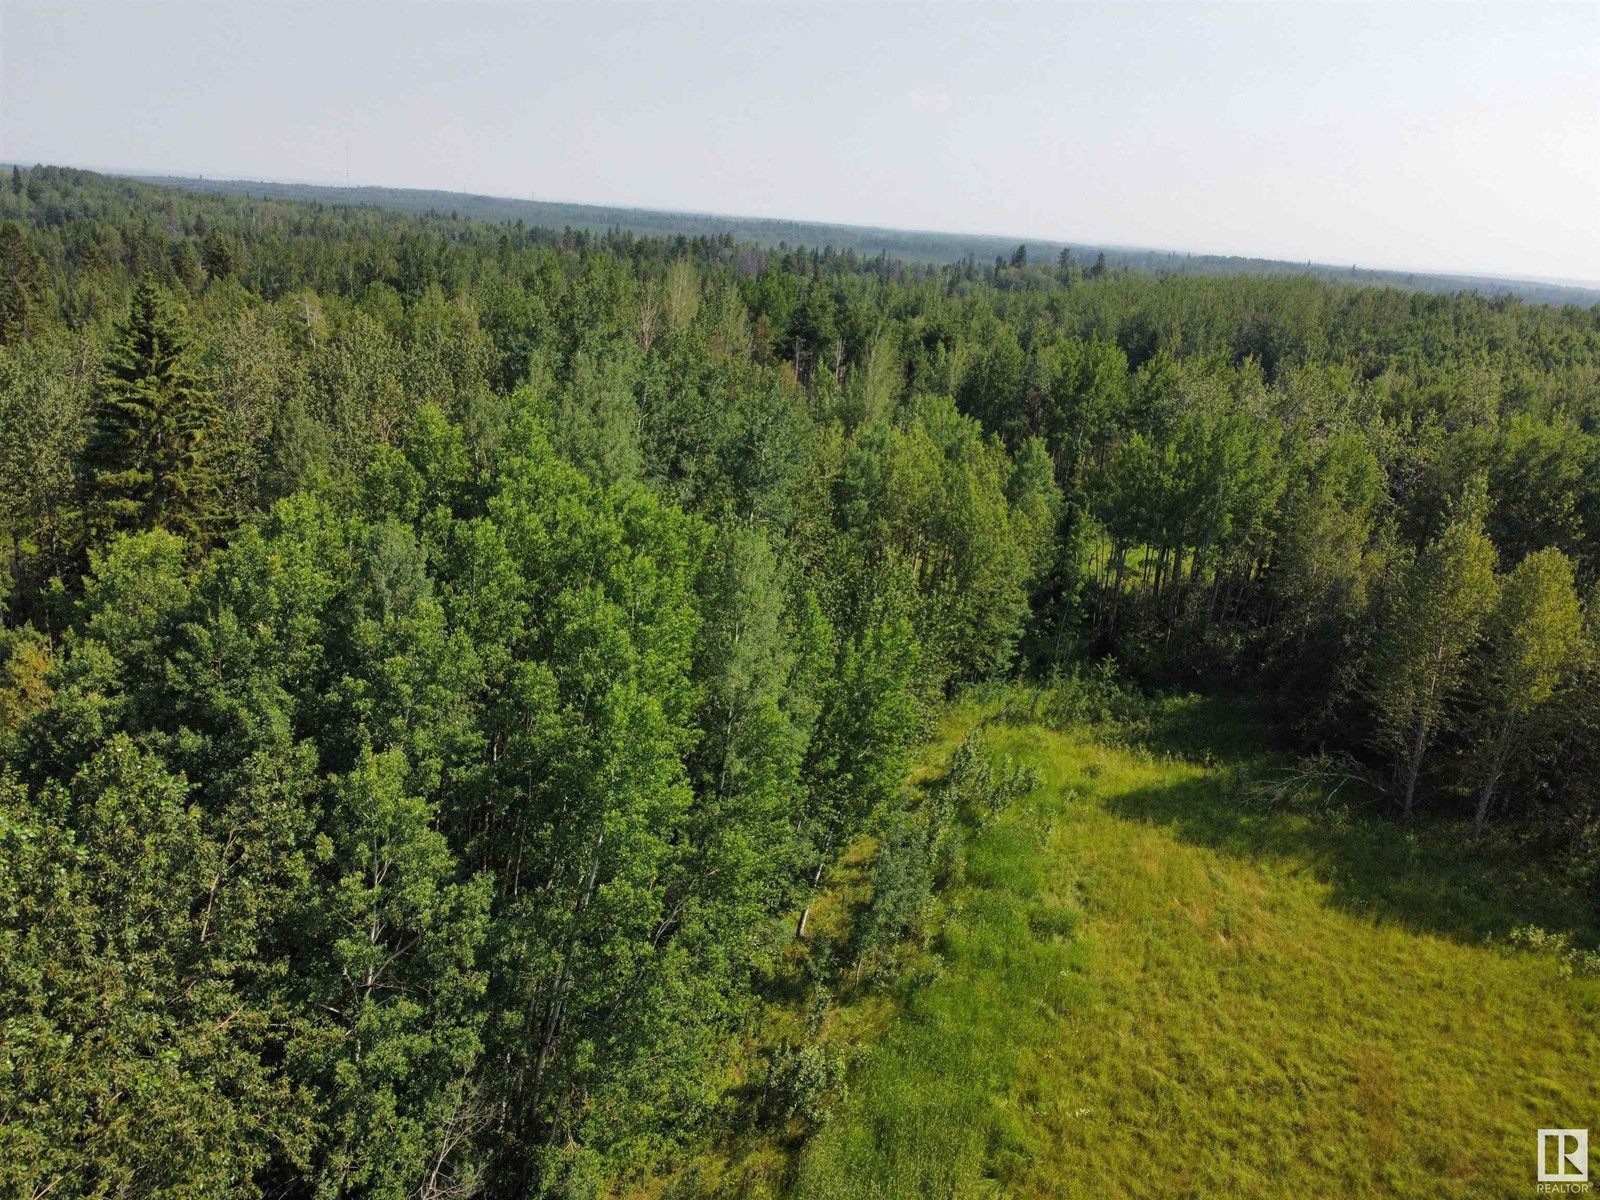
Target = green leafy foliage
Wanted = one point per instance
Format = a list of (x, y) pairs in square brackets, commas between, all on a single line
[(449, 672), (1433, 625)]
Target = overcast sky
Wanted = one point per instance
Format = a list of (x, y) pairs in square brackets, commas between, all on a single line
[(1433, 136)]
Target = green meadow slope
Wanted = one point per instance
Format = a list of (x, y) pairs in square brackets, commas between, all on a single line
[(1146, 988)]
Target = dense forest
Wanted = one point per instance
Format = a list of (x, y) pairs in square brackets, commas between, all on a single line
[(440, 661), (914, 246)]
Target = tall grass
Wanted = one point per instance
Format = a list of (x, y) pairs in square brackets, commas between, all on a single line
[(1145, 987)]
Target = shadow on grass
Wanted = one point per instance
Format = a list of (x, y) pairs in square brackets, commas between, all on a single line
[(1206, 728), (1428, 876)]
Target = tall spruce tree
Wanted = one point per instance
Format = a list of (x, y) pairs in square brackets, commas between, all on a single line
[(149, 454), (21, 284)]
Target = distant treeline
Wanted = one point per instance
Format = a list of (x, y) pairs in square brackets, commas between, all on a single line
[(441, 660), (911, 245)]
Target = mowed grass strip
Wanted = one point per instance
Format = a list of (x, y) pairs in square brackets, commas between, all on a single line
[(1147, 992)]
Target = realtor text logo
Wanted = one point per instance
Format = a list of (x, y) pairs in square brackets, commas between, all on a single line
[(1563, 1159)]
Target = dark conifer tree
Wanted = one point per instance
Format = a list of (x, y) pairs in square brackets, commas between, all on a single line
[(216, 255), (816, 329), (21, 284), (148, 456)]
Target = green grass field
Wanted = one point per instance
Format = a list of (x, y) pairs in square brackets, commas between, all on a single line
[(1144, 988)]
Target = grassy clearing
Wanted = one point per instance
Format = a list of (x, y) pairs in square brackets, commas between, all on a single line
[(1142, 989)]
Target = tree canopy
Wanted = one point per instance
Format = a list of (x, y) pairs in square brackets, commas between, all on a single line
[(441, 661)]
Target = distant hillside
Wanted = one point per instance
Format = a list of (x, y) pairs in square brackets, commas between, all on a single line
[(909, 244)]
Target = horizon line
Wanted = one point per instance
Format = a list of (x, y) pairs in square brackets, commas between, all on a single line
[(141, 174)]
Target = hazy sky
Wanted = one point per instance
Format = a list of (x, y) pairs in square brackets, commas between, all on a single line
[(1446, 136)]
